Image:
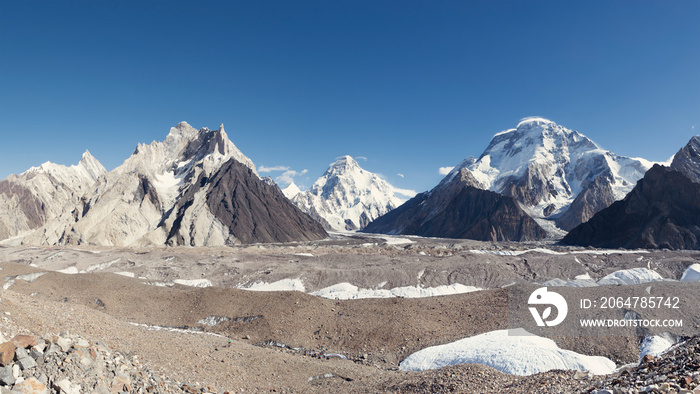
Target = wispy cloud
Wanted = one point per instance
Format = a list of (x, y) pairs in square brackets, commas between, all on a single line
[(289, 175), (363, 158), (445, 170), (272, 169), (400, 174), (405, 192)]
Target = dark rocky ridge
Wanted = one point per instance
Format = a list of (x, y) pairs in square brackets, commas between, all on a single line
[(662, 211), (596, 196), (458, 209), (253, 210)]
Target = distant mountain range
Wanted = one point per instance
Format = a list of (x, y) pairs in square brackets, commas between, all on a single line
[(539, 170), (195, 188), (347, 197), (42, 194)]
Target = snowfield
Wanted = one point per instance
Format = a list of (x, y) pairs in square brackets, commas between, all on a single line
[(347, 291), (516, 353), (691, 274), (633, 276)]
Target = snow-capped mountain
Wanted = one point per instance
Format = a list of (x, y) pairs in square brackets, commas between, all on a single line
[(40, 194), (291, 190), (456, 208), (347, 197), (172, 192), (545, 167)]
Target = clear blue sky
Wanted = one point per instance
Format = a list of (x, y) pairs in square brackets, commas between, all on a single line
[(410, 85)]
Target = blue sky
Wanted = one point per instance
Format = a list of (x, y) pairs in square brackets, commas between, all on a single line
[(412, 86)]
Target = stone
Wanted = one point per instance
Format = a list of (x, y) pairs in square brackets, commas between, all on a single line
[(21, 352), (66, 387), (24, 341), (121, 382), (580, 375), (6, 376), (82, 343), (40, 345), (86, 362), (7, 353), (648, 359), (64, 344), (31, 386), (16, 371), (52, 348), (35, 354), (26, 363)]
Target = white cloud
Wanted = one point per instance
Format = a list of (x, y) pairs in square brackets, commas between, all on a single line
[(445, 170), (405, 192), (400, 174), (363, 158), (288, 176), (272, 169)]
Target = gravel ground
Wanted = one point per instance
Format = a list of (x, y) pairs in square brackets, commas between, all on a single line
[(253, 349)]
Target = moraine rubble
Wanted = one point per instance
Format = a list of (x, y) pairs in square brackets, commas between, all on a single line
[(72, 365)]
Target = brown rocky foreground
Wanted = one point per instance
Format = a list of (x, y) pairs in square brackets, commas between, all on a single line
[(283, 341)]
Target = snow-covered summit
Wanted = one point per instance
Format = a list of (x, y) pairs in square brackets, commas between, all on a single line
[(347, 197), (291, 190), (86, 171), (545, 166)]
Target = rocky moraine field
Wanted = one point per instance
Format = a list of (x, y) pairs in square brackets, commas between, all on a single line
[(350, 313)]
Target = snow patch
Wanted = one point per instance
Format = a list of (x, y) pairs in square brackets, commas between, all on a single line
[(655, 346), (280, 285), (29, 277), (516, 352), (633, 276), (194, 282), (102, 266), (691, 274), (347, 291)]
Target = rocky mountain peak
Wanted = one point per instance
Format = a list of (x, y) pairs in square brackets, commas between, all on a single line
[(291, 190), (687, 160), (545, 166), (166, 194), (347, 197), (91, 165), (343, 164)]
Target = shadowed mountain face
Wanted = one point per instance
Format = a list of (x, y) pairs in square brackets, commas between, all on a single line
[(457, 209), (662, 211), (252, 210)]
